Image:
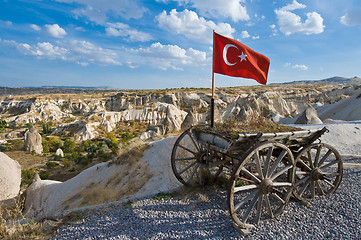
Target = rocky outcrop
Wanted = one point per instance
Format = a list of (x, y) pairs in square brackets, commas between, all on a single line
[(10, 177), (33, 141), (309, 116), (132, 176), (59, 152)]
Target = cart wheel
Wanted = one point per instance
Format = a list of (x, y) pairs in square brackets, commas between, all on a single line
[(190, 161), (261, 184), (319, 171)]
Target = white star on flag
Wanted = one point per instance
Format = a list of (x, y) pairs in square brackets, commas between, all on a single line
[(242, 57)]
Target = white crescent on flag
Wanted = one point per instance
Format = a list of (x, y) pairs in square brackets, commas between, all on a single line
[(225, 50)]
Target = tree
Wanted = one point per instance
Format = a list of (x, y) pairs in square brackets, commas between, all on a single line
[(3, 125)]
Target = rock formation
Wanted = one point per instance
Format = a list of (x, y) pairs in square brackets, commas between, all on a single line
[(10, 177), (59, 152), (309, 116), (33, 141)]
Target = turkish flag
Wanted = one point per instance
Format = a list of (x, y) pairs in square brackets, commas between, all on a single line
[(232, 58)]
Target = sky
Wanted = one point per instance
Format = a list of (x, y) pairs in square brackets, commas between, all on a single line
[(143, 44)]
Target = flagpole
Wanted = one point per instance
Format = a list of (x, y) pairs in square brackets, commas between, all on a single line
[(213, 88)]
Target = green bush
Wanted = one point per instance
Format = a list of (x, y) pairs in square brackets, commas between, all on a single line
[(51, 164), (57, 157), (44, 175), (27, 176), (66, 162), (3, 125), (15, 145), (47, 127), (69, 145), (45, 144), (54, 143)]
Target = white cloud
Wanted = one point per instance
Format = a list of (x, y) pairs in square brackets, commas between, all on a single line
[(293, 6), (300, 67), (99, 11), (193, 27), (255, 37), (172, 56), (35, 27), (245, 34), (79, 52), (123, 30), (272, 26), (352, 17), (55, 31), (290, 23), (219, 8), (7, 23)]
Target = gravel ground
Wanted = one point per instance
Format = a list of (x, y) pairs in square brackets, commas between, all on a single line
[(204, 216)]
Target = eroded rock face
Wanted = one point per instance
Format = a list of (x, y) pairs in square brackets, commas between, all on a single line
[(33, 141), (309, 116), (132, 176), (10, 177)]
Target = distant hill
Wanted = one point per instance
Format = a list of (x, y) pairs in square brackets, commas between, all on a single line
[(332, 80)]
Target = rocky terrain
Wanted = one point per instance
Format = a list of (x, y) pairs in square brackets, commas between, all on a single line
[(96, 147)]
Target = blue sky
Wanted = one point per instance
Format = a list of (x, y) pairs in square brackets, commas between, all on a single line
[(134, 44)]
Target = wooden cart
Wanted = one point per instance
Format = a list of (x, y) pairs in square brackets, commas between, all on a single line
[(266, 168)]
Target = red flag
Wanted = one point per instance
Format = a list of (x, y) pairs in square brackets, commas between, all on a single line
[(232, 58)]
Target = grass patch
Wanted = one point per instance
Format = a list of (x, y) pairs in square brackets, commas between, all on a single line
[(163, 196), (253, 124)]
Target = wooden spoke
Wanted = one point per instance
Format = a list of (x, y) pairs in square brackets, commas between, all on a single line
[(194, 172), (304, 165), (268, 205), (319, 188), (244, 201), (312, 188), (256, 179), (317, 157), (302, 180), (324, 157), (190, 134), (185, 159), (267, 163), (188, 167), (258, 164), (303, 189), (187, 149), (274, 166), (259, 208), (243, 188), (282, 171), (282, 184), (278, 198), (328, 165), (249, 209)]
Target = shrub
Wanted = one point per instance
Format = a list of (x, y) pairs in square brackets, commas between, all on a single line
[(3, 125), (44, 175), (57, 157), (51, 164), (47, 127), (27, 176), (54, 143), (45, 144), (69, 145), (15, 145), (66, 162)]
